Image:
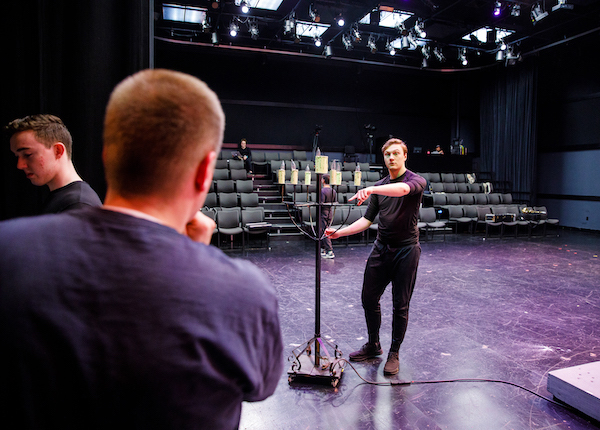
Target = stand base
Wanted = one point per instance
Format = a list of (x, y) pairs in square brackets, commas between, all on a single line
[(304, 369)]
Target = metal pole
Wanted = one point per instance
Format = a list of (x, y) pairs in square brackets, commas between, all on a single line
[(318, 274)]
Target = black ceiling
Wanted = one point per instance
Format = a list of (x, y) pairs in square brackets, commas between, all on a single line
[(446, 22)]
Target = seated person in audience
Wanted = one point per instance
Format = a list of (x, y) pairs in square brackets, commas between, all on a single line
[(43, 147), (121, 316), (244, 153), (438, 150)]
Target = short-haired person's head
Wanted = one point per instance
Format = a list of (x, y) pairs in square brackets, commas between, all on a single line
[(159, 125), (394, 141), (47, 129), (326, 178)]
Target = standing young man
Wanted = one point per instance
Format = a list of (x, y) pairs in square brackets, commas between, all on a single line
[(395, 255), (124, 316), (43, 147)]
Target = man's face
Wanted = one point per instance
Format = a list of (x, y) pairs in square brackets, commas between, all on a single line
[(394, 157), (38, 162)]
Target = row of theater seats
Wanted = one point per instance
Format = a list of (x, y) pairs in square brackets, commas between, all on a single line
[(232, 186), (447, 177), (439, 199), (456, 187), (236, 221), (232, 199)]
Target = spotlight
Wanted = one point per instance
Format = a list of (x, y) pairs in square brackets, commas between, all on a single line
[(289, 25), (340, 20), (314, 15), (438, 54), (502, 46), (390, 48), (516, 10), (462, 56), (538, 13), (317, 41), (327, 52), (356, 34), (215, 38), (499, 55), (254, 31), (426, 51), (497, 8), (562, 4), (371, 44), (511, 56), (233, 29), (404, 42), (347, 42), (424, 63), (245, 7), (215, 4), (420, 29)]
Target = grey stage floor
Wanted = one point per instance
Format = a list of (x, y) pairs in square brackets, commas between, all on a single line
[(509, 310)]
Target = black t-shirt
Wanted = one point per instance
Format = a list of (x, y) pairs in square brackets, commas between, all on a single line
[(398, 216), (75, 195)]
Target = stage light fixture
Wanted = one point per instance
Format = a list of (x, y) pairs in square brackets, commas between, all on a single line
[(215, 38), (371, 44), (253, 30), (356, 34), (562, 4), (340, 20), (438, 54), (233, 29), (317, 41), (327, 51), (390, 48), (462, 56), (497, 8), (511, 56), (502, 45), (499, 55), (538, 13), (420, 29), (314, 15), (426, 51), (289, 25), (245, 7), (404, 42), (516, 10), (347, 41)]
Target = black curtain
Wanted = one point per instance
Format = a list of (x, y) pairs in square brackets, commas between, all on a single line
[(508, 127)]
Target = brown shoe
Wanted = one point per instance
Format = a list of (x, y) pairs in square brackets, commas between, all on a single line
[(368, 350), (392, 365)]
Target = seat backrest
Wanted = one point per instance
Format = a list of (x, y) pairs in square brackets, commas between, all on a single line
[(470, 211), (512, 209), (494, 199), (424, 175), (453, 199), (507, 198), (252, 215), (475, 188), (427, 214), (211, 200), (228, 218), (365, 167), (238, 174), (467, 199), (449, 187), (498, 210), (248, 200), (439, 199), (299, 155), (285, 155), (221, 164), (460, 178), (455, 211), (462, 187), (347, 175), (225, 186), (437, 187), (447, 177), (350, 166), (269, 156), (258, 156), (220, 174), (244, 186), (481, 199), (236, 164), (434, 177), (482, 211), (228, 200), (310, 164)]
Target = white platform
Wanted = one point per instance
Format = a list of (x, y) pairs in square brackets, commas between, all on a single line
[(579, 387)]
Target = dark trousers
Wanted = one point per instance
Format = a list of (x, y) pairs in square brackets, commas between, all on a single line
[(385, 265), (326, 242)]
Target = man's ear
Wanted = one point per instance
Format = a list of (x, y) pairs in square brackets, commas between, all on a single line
[(204, 173), (59, 149)]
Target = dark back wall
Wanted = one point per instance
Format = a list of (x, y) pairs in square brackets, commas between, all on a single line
[(64, 57), (279, 99)]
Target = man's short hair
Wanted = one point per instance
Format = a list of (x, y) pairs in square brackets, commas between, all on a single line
[(47, 129), (159, 124), (394, 141), (326, 178)]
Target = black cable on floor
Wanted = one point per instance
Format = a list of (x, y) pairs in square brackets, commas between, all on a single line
[(498, 381)]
